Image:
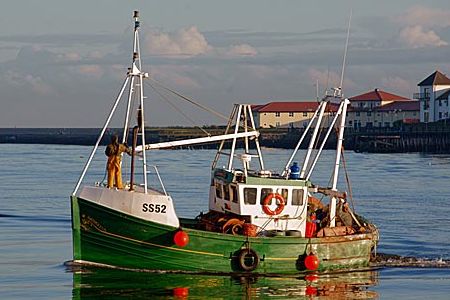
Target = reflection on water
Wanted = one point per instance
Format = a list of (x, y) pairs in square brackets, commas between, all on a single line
[(95, 283)]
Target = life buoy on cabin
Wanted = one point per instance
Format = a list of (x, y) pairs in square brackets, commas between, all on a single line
[(280, 204), (248, 259)]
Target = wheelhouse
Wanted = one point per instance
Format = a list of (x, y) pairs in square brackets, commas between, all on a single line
[(266, 200)]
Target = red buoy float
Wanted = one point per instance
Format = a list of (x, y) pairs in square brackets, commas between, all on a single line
[(181, 292), (311, 262), (181, 238)]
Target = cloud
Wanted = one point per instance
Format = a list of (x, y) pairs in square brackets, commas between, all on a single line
[(31, 82), (329, 80), (425, 16), (398, 84), (242, 50), (420, 25), (186, 42), (176, 76), (93, 71), (416, 37)]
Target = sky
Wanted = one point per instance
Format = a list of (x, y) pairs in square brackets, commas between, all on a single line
[(62, 63)]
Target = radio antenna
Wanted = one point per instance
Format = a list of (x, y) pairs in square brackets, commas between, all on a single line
[(345, 57)]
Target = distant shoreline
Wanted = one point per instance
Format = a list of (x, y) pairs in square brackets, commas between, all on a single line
[(424, 138)]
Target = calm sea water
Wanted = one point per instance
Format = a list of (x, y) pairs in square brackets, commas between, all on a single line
[(406, 195)]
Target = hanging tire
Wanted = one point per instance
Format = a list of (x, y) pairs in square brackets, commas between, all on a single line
[(248, 259)]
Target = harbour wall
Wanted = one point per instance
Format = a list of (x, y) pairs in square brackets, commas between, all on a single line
[(427, 138)]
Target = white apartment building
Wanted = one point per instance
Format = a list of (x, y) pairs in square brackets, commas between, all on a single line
[(434, 97)]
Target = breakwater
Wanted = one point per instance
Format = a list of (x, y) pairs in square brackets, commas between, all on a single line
[(430, 138)]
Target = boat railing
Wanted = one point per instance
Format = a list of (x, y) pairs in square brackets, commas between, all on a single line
[(155, 168)]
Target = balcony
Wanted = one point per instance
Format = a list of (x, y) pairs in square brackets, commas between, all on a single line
[(422, 96)]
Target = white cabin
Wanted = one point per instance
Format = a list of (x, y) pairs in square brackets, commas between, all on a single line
[(233, 192)]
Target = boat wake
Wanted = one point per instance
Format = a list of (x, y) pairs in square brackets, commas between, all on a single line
[(383, 260)]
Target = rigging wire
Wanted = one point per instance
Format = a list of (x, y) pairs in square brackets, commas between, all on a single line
[(347, 179), (177, 109), (190, 100)]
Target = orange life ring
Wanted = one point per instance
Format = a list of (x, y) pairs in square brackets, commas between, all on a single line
[(280, 205)]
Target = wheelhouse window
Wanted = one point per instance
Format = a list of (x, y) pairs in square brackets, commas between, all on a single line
[(226, 192), (264, 193), (234, 193), (249, 195), (297, 197), (218, 190)]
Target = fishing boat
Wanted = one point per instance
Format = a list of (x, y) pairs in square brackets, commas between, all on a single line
[(259, 221)]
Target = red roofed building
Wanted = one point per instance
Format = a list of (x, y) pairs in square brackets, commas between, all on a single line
[(287, 114), (374, 99), (378, 108)]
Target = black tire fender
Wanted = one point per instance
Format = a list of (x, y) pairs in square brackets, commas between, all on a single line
[(248, 259)]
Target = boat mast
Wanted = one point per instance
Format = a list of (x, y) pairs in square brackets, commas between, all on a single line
[(134, 71), (337, 163), (242, 116), (323, 105), (136, 61), (136, 75), (339, 94)]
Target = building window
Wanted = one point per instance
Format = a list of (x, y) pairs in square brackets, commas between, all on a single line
[(440, 114), (350, 123), (387, 124), (305, 114), (291, 114), (277, 114), (357, 114), (379, 124), (446, 102), (369, 124), (414, 114), (369, 113)]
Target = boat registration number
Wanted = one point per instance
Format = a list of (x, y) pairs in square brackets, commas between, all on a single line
[(154, 208)]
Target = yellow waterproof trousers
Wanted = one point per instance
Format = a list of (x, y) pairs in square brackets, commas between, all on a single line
[(114, 172)]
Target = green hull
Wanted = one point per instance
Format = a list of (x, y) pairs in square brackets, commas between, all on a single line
[(105, 236)]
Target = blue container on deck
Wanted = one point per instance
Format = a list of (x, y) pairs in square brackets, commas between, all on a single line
[(295, 171)]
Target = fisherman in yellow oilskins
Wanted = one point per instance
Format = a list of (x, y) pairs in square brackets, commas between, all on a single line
[(114, 152)]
